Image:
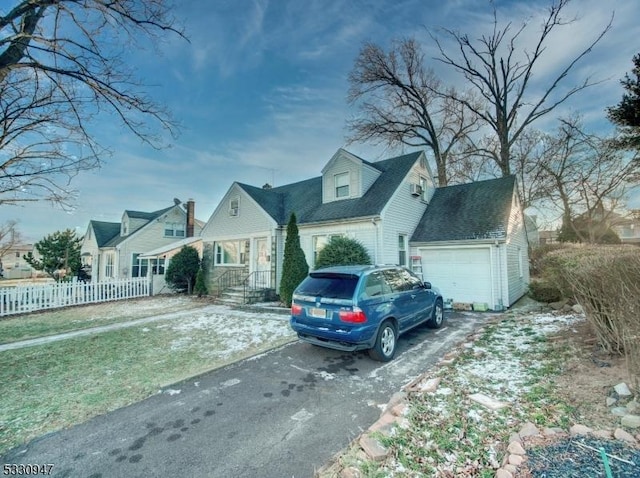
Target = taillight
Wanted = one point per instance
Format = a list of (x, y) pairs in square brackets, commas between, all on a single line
[(355, 316), (296, 309)]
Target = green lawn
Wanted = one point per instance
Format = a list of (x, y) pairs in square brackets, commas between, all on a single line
[(53, 386)]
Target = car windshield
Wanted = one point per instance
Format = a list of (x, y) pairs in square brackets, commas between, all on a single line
[(331, 286)]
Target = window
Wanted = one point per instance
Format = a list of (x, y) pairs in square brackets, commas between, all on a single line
[(423, 185), (232, 252), (319, 242), (402, 250), (234, 206), (157, 266), (174, 229), (139, 267), (342, 185), (109, 265)]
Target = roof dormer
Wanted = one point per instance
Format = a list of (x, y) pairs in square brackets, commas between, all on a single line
[(346, 176)]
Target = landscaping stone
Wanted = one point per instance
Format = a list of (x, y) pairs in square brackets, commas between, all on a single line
[(577, 308), (374, 450), (430, 385), (350, 473), (510, 468), (549, 431), (611, 401), (516, 460), (605, 434), (578, 429), (631, 421), (622, 389), (528, 430), (633, 406), (488, 402), (515, 448), (502, 473), (620, 434), (619, 411)]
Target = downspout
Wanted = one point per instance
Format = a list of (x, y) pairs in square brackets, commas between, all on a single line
[(375, 244), (499, 305)]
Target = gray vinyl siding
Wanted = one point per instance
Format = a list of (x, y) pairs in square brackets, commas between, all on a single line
[(340, 165), (401, 215), (251, 220), (517, 256)]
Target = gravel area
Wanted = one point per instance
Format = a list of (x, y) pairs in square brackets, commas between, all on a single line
[(576, 458)]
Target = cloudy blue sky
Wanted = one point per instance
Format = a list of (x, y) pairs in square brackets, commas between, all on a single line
[(260, 92)]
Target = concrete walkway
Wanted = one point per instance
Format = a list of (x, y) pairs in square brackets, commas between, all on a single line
[(105, 328)]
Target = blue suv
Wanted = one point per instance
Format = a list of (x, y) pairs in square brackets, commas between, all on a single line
[(363, 308)]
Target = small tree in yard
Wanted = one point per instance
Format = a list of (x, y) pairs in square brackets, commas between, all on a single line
[(59, 254), (183, 269), (294, 265), (342, 251), (201, 287)]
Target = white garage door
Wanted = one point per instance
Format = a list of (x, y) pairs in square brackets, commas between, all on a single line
[(463, 275)]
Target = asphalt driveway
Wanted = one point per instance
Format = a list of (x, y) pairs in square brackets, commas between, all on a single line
[(280, 414)]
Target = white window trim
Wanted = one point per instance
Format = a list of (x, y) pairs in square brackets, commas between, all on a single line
[(242, 253), (336, 187), (175, 227), (234, 211)]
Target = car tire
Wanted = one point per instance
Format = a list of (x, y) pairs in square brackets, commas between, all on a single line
[(386, 340), (437, 315)]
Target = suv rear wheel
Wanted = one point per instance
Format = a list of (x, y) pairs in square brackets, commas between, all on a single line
[(385, 346), (437, 316)]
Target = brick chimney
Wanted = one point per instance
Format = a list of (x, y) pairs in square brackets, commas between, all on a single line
[(191, 205)]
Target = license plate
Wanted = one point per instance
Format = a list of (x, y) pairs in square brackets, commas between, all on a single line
[(317, 313)]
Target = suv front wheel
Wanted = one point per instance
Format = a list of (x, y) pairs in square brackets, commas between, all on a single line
[(385, 346)]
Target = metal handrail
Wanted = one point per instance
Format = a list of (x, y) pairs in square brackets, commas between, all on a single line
[(256, 280), (231, 278)]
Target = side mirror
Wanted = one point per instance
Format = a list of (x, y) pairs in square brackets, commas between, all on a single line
[(427, 285)]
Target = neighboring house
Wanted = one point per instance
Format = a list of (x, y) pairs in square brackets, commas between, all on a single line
[(389, 207), (117, 249), (548, 237), (13, 265), (628, 228)]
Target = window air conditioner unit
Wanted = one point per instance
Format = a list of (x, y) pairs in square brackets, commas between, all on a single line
[(416, 190)]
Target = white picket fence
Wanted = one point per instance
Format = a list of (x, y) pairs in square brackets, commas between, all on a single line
[(33, 297)]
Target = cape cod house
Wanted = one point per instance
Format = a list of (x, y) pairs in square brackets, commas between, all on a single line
[(468, 240), (140, 244)]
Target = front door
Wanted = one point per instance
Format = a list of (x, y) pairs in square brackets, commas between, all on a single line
[(262, 263)]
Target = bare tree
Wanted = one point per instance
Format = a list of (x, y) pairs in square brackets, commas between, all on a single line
[(587, 179), (61, 67), (9, 236), (501, 75), (403, 103)]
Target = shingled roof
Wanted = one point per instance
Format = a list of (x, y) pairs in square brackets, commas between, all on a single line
[(105, 231), (305, 197), (108, 233), (478, 210)]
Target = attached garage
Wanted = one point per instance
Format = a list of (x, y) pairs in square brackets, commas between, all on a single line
[(472, 243), (461, 274)]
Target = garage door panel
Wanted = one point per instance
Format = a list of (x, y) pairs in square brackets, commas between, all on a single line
[(463, 275)]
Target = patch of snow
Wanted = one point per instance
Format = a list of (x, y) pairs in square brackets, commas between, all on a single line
[(171, 391), (326, 375), (230, 383)]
